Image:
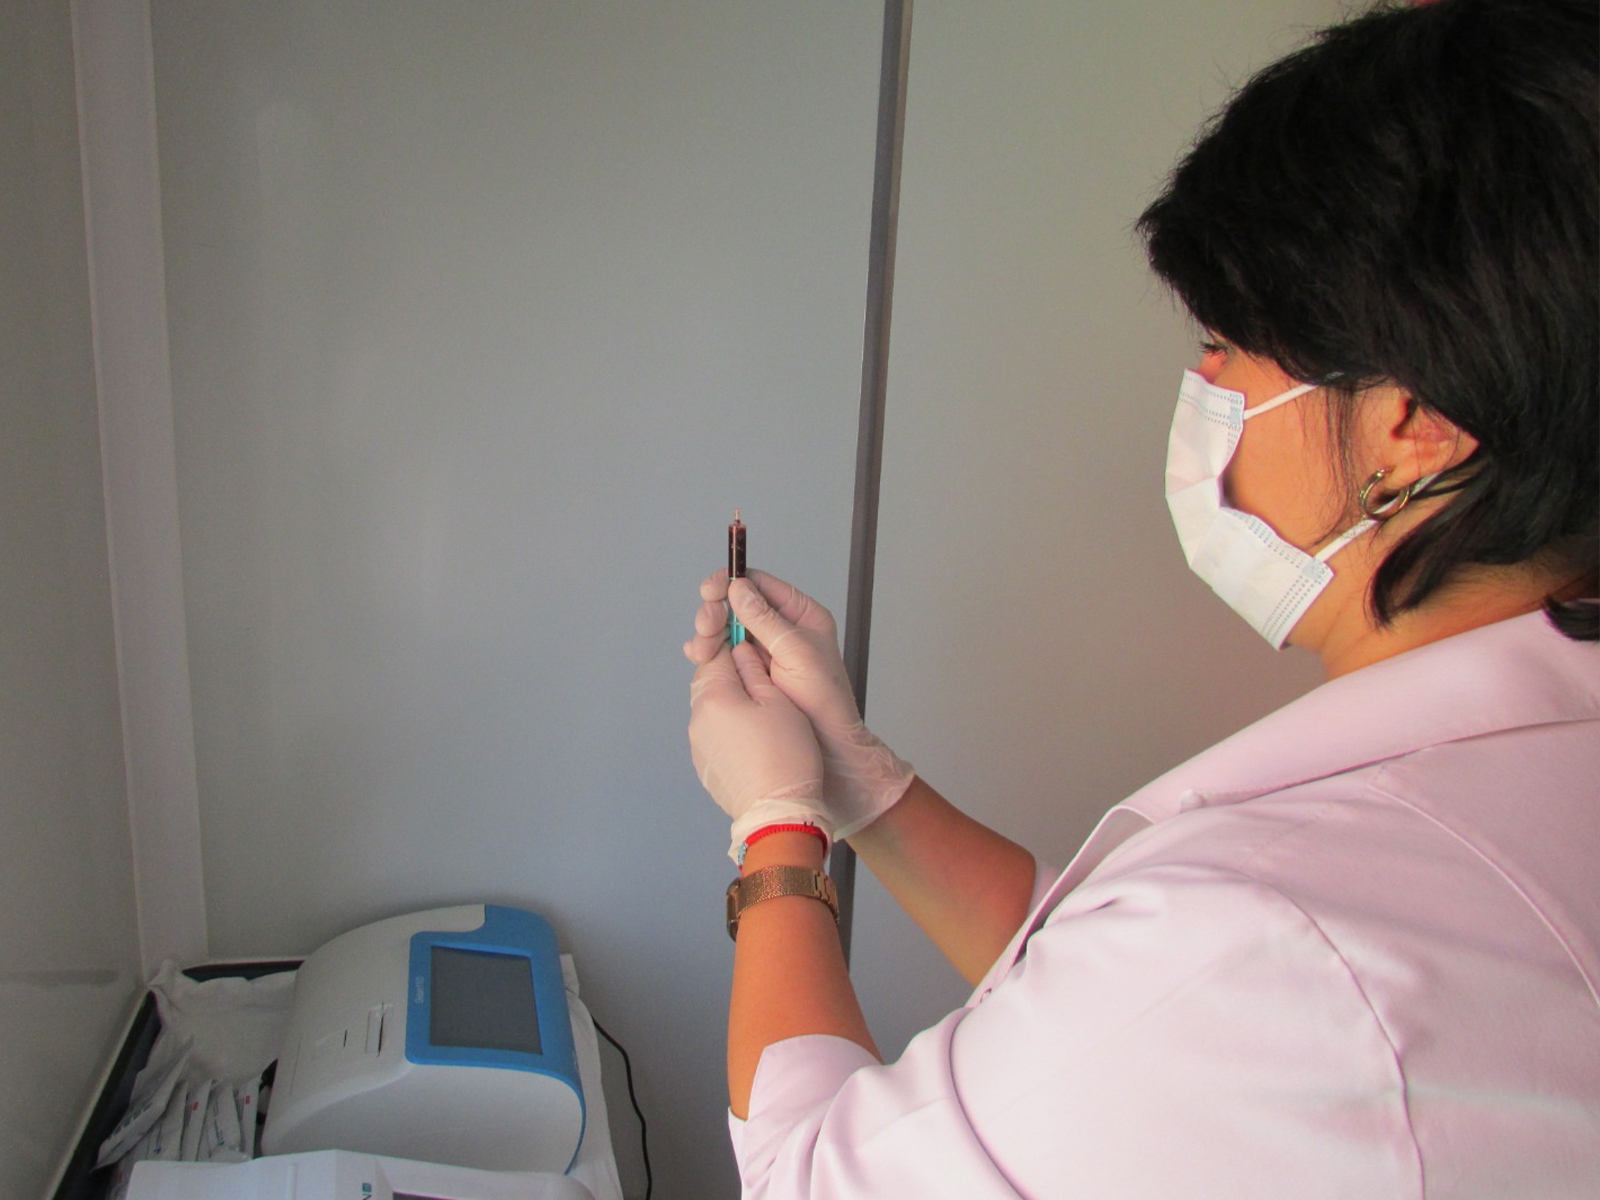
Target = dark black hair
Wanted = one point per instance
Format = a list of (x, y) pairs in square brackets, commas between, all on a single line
[(1415, 197)]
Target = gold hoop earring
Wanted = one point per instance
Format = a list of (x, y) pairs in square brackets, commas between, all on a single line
[(1385, 509)]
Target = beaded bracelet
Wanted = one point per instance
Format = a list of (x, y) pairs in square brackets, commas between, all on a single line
[(793, 827)]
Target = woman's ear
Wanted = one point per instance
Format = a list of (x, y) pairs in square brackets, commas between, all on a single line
[(1411, 439)]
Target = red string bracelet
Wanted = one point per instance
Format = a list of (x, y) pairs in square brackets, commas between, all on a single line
[(793, 827)]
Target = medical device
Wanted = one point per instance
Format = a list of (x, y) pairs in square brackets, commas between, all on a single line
[(441, 1036), (736, 535), (336, 1174), (341, 1175)]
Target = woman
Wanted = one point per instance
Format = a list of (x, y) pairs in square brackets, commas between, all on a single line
[(1353, 950)]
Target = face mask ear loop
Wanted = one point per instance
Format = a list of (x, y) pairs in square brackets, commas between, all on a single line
[(1281, 398), (1344, 539)]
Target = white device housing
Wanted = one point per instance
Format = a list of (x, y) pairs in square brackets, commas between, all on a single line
[(338, 1174), (365, 1066)]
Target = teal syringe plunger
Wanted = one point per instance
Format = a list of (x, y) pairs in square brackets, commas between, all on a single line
[(735, 571)]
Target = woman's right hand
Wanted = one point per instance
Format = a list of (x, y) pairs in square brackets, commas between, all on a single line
[(798, 638), (754, 751)]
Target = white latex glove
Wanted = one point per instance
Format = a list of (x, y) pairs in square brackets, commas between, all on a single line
[(754, 750), (798, 637)]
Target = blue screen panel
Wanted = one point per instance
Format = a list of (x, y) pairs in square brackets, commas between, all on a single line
[(491, 997)]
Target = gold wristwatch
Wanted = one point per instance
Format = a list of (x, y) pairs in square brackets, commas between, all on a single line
[(770, 882)]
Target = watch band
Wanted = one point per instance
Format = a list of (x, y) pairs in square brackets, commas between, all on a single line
[(770, 882)]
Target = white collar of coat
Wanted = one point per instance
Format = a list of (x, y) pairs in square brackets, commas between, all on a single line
[(1509, 675)]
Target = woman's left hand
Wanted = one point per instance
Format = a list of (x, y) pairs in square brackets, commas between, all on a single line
[(754, 750)]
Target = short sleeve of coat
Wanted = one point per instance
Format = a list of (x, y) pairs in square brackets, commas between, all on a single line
[(1174, 1030)]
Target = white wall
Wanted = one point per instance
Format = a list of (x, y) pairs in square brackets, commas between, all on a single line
[(68, 942), (1039, 648), (483, 319)]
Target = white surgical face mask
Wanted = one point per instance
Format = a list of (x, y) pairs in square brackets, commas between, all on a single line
[(1263, 578)]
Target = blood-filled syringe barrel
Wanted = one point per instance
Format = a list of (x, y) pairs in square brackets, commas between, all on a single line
[(736, 547)]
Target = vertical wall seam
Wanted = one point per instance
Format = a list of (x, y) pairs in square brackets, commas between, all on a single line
[(113, 60), (874, 381)]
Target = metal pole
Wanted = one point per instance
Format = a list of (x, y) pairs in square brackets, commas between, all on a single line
[(874, 378)]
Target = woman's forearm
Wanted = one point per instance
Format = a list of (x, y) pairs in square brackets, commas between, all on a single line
[(965, 885), (789, 975)]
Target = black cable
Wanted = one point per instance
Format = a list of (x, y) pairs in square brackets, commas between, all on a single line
[(644, 1139)]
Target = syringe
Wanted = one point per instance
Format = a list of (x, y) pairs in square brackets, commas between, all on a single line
[(735, 571)]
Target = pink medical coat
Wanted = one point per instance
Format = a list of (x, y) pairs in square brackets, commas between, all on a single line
[(1351, 951)]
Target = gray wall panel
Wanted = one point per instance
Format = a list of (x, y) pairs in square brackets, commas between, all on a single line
[(483, 320), (1039, 648), (69, 955)]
